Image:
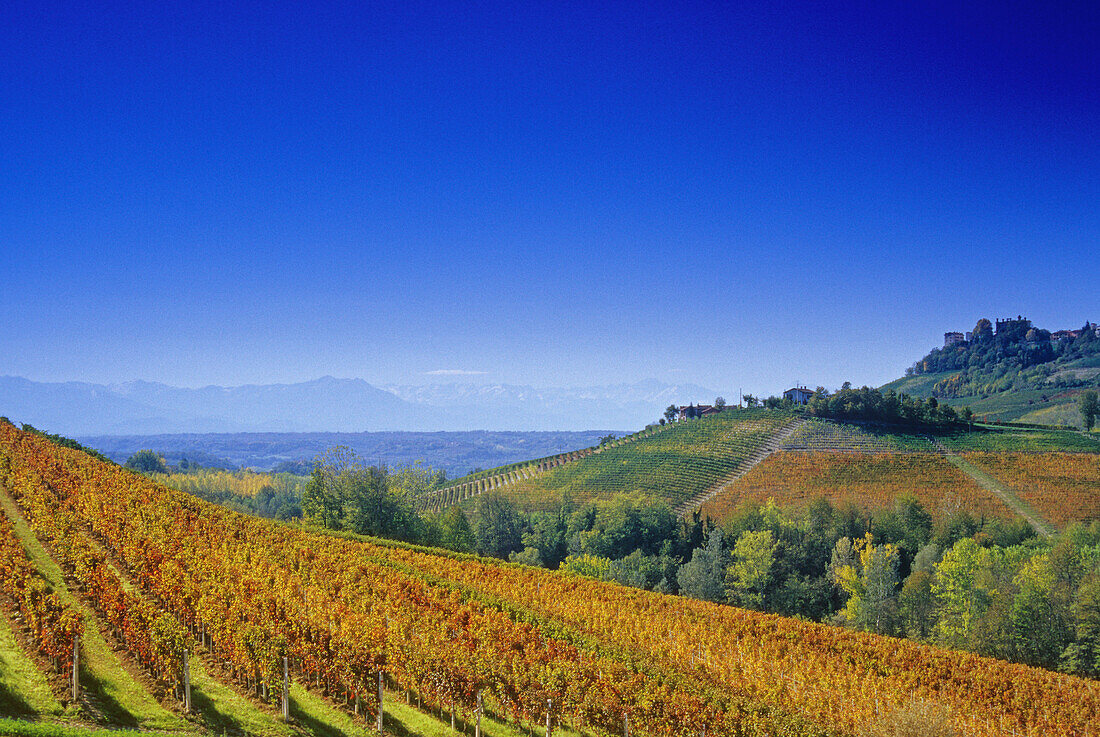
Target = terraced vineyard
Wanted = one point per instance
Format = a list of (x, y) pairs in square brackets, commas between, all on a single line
[(1011, 440), (820, 435), (1062, 487), (870, 481), (674, 464)]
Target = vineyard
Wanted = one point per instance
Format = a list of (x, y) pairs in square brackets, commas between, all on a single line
[(538, 645), (1021, 441), (1062, 487), (239, 483), (869, 481), (818, 435), (673, 465)]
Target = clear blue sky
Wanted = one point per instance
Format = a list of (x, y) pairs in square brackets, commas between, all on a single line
[(549, 193)]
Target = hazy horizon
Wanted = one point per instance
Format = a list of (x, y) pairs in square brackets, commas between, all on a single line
[(745, 197)]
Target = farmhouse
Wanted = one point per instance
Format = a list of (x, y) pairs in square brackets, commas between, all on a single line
[(798, 395), (692, 411), (950, 339)]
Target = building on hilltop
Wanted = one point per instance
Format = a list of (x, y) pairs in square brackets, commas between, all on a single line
[(1020, 323), (799, 394), (950, 339), (693, 411), (1059, 335)]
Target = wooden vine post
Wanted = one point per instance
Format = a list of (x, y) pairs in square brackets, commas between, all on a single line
[(76, 667), (549, 706), (626, 725), (477, 726), (286, 689), (186, 682), (380, 701)]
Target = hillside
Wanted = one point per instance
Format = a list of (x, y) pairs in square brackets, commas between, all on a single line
[(1051, 476), (674, 463), (754, 455), (456, 632), (1012, 371)]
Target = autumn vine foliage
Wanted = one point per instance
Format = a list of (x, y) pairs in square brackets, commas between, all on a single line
[(588, 653), (53, 624)]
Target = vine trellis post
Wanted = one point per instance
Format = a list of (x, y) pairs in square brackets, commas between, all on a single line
[(186, 682), (379, 701), (76, 667), (286, 689)]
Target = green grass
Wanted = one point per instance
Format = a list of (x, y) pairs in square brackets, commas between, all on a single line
[(48, 729), (122, 700), (405, 721), (220, 709), (23, 688), (672, 465)]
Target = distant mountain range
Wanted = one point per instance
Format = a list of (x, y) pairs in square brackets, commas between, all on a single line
[(333, 405)]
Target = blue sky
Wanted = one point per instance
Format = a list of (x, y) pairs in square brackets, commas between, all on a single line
[(541, 193)]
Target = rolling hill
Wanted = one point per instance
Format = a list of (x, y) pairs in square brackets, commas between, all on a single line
[(1049, 477), (1013, 373)]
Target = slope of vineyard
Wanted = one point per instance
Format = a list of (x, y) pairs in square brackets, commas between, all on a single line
[(538, 644), (819, 435), (1062, 487), (869, 481), (673, 465)]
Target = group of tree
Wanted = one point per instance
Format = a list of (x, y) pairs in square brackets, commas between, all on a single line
[(872, 405), (983, 585), (1018, 356)]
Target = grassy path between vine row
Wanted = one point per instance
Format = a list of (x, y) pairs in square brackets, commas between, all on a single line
[(114, 698), (113, 695), (24, 690), (990, 484)]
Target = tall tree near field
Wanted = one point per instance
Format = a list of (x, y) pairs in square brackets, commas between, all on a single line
[(704, 576), (962, 598), (498, 528), (455, 531), (871, 582), (147, 461), (1089, 406), (750, 573)]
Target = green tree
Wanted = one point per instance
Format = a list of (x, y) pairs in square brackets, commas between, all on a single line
[(983, 330), (455, 531), (720, 402), (670, 412), (590, 566), (1089, 406), (704, 576), (750, 573), (868, 574), (498, 528), (750, 400), (147, 461), (917, 605), (1083, 655), (345, 494), (1040, 626), (962, 598)]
